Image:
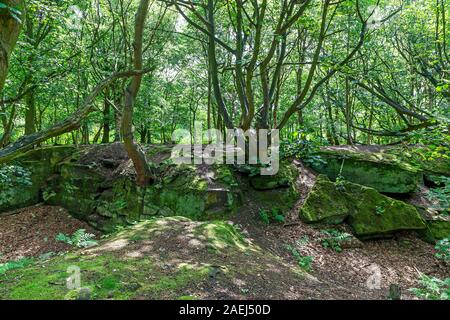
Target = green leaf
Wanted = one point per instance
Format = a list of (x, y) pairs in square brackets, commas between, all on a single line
[(17, 18)]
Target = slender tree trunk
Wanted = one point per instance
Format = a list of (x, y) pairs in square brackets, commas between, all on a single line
[(143, 133), (85, 133), (8, 124), (117, 123), (106, 120), (97, 135), (348, 111), (134, 151), (208, 116), (30, 113), (213, 67)]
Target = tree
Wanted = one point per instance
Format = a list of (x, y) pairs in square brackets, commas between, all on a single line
[(10, 26)]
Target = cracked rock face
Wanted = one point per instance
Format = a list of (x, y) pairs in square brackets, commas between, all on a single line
[(369, 213)]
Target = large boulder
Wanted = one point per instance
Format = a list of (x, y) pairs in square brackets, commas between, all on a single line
[(368, 212), (376, 215), (286, 176), (379, 170), (200, 193), (39, 164), (438, 225), (278, 192), (325, 203), (98, 187), (433, 160)]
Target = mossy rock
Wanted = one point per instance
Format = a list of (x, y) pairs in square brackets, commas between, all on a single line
[(438, 228), (432, 160), (286, 176), (108, 201), (185, 192), (325, 203), (283, 198), (369, 213), (41, 163), (26, 195), (374, 214), (163, 258), (76, 188), (384, 172), (49, 154)]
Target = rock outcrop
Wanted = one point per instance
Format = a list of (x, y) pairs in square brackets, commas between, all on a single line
[(369, 213), (382, 171)]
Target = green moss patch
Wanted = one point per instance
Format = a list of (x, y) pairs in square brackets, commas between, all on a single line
[(381, 171), (369, 213), (325, 203), (164, 258)]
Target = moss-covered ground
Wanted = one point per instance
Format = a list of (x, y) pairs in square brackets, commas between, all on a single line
[(165, 258)]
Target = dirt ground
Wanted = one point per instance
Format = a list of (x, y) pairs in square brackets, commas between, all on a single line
[(399, 260), (31, 232), (350, 274)]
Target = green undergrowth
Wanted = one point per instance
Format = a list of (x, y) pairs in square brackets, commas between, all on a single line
[(142, 261)]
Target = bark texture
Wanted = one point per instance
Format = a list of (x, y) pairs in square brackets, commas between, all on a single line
[(9, 32)]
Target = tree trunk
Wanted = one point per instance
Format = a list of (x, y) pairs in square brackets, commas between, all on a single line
[(134, 151), (106, 120), (9, 32), (30, 113), (117, 124)]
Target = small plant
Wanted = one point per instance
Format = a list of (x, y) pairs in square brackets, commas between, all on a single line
[(443, 249), (120, 204), (167, 162), (340, 183), (273, 215), (303, 262), (254, 171), (303, 241), (48, 194), (245, 290), (334, 238), (441, 194), (340, 180), (18, 264), (225, 175), (379, 210), (71, 189), (432, 288), (302, 145), (79, 238)]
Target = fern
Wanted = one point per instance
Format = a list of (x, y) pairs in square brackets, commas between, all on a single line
[(334, 239), (79, 238), (432, 288), (273, 215), (18, 264), (443, 249), (303, 262)]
